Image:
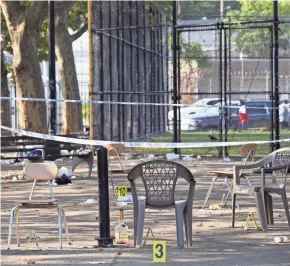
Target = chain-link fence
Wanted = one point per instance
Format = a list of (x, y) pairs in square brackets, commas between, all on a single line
[(130, 59), (221, 62)]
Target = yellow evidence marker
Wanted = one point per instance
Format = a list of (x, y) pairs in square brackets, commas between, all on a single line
[(159, 251), (122, 191)]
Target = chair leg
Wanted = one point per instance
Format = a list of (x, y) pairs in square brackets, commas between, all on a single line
[(60, 225), (50, 189), (267, 207), (90, 161), (32, 190), (261, 208), (12, 215), (209, 191), (230, 192), (112, 183), (179, 225), (140, 222), (75, 162), (17, 226), (65, 226), (185, 220), (285, 203), (135, 213), (233, 209), (271, 212), (189, 224)]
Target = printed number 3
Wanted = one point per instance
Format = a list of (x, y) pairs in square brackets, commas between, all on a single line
[(160, 255)]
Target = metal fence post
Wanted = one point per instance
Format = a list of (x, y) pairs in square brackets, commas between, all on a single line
[(52, 85), (174, 55), (220, 27), (276, 72), (104, 239)]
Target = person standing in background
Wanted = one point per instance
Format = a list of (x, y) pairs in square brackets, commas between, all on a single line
[(284, 114), (243, 116)]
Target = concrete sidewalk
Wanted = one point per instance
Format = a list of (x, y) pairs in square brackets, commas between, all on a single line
[(214, 241)]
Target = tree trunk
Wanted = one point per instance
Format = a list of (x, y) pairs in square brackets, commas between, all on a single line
[(5, 105), (23, 24), (71, 112)]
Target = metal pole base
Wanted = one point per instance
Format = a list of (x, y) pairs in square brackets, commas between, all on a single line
[(105, 242)]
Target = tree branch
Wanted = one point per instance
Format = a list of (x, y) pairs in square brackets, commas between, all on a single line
[(80, 32), (36, 13), (13, 12)]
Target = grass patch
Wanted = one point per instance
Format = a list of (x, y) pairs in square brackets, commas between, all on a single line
[(248, 135)]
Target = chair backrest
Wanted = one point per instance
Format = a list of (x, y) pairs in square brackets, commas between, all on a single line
[(281, 157), (112, 148), (159, 179), (40, 171), (248, 150), (277, 158)]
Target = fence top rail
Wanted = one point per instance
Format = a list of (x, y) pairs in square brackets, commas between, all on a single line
[(133, 27)]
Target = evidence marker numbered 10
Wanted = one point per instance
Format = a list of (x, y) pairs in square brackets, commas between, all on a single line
[(122, 191)]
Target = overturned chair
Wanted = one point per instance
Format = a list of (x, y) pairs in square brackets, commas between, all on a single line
[(159, 180), (38, 172)]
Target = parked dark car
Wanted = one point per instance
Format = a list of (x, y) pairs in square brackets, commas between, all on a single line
[(258, 111)]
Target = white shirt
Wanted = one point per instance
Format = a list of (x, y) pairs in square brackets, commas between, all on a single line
[(283, 112)]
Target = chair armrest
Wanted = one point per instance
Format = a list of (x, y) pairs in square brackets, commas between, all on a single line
[(238, 168), (269, 169)]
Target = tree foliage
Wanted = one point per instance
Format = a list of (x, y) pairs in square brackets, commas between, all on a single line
[(195, 10), (77, 17), (253, 42)]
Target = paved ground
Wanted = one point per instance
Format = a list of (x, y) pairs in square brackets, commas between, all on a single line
[(214, 241)]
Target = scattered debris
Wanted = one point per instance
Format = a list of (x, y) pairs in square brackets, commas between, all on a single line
[(122, 204), (34, 260), (214, 207), (172, 156), (280, 239), (188, 159), (89, 201)]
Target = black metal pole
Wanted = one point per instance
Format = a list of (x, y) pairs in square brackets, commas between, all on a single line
[(52, 83), (230, 73), (220, 26), (104, 239), (179, 85), (174, 63), (225, 110), (276, 72), (272, 122)]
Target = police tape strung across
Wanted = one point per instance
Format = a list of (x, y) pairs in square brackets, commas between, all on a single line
[(125, 103), (137, 144)]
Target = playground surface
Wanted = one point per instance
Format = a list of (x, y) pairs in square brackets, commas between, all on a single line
[(214, 241)]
